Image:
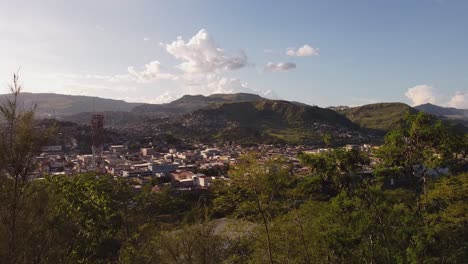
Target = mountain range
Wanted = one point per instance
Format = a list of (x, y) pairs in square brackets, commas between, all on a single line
[(272, 121), (237, 117), (189, 103), (447, 112), (58, 105)]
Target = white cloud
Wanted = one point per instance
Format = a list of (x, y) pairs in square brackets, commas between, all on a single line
[(200, 71), (151, 71), (159, 99), (229, 85), (459, 100), (146, 39), (270, 94), (280, 66), (421, 94), (202, 55), (303, 51), (213, 83)]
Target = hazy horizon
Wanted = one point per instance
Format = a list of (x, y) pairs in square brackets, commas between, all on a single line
[(141, 102)]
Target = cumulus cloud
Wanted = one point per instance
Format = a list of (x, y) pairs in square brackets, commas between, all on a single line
[(213, 83), (421, 94), (459, 100), (280, 66), (202, 64), (270, 94), (229, 85), (165, 97), (303, 51), (151, 71), (201, 54)]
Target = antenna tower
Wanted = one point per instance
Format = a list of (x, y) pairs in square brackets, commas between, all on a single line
[(97, 134)]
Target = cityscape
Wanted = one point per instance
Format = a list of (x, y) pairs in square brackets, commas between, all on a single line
[(232, 132)]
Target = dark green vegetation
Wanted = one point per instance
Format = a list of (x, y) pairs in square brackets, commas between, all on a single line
[(265, 121), (143, 113), (115, 119), (381, 116), (243, 118), (392, 206), (453, 115)]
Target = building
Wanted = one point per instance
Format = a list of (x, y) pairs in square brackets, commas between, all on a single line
[(49, 149), (163, 168), (202, 180), (145, 152), (117, 149), (136, 173)]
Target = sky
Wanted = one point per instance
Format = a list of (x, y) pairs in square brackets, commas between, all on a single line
[(316, 52)]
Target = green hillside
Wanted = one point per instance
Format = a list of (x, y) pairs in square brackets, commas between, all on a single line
[(380, 116), (189, 103), (264, 121)]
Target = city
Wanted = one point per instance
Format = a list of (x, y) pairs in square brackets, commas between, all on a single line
[(233, 132)]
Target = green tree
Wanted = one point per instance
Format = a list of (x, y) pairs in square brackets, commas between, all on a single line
[(371, 225), (261, 189), (87, 214), (195, 243), (421, 143), (445, 222), (298, 235), (20, 141), (334, 170), (327, 139)]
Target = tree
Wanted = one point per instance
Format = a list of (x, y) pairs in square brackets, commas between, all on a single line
[(370, 225), (21, 140), (422, 143), (327, 139), (444, 222), (86, 210), (297, 235), (260, 188), (336, 170), (195, 243)]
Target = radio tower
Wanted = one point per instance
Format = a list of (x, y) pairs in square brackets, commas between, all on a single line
[(97, 134)]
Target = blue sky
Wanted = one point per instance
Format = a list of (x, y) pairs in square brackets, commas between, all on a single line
[(317, 52)]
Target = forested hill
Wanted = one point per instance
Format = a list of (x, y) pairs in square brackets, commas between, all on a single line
[(189, 103), (241, 116), (264, 121), (61, 105), (442, 111), (380, 116)]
